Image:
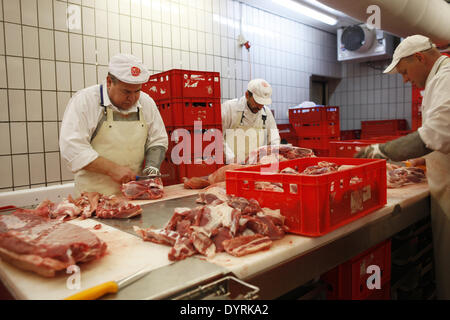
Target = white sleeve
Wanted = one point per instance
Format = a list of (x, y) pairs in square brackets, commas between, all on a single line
[(435, 131), (78, 125), (272, 129), (157, 135)]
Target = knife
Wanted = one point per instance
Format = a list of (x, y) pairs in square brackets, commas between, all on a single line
[(109, 287)]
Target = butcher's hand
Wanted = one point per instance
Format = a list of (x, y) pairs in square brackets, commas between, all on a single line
[(372, 151), (122, 175)]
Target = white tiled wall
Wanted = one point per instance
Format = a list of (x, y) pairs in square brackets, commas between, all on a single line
[(365, 93), (43, 62)]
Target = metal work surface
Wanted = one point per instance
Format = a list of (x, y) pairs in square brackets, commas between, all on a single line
[(154, 215)]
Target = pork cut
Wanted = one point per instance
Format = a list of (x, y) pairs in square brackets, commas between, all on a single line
[(244, 245), (149, 189), (116, 207), (205, 229), (398, 176), (45, 246), (281, 152)]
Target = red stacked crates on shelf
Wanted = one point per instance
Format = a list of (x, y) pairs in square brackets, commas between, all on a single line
[(315, 127), (288, 134), (377, 128), (349, 281), (184, 97)]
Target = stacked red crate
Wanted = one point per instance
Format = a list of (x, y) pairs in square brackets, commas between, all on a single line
[(288, 134), (186, 98), (315, 127), (377, 128), (350, 280)]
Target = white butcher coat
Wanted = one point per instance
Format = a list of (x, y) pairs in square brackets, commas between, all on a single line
[(435, 132), (232, 112)]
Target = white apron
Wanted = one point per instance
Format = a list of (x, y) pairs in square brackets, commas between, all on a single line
[(244, 138), (438, 176), (122, 142)]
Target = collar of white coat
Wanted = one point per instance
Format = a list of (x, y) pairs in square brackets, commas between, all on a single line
[(435, 68), (242, 106), (108, 103)]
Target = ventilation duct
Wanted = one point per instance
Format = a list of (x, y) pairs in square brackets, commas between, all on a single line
[(403, 17)]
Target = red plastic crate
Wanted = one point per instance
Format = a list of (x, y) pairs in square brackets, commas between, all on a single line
[(288, 133), (177, 84), (350, 134), (321, 203), (382, 127), (348, 148), (349, 280), (183, 112), (319, 142), (197, 140), (314, 129), (321, 152), (314, 114)]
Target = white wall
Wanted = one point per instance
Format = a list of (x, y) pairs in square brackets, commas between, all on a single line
[(43, 63)]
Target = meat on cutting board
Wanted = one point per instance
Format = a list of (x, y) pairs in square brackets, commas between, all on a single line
[(105, 207), (205, 229), (149, 189), (45, 246)]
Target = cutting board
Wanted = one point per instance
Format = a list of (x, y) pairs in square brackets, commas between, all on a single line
[(170, 192), (125, 255)]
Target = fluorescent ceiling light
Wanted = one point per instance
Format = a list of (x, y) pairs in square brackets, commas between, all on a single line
[(307, 11)]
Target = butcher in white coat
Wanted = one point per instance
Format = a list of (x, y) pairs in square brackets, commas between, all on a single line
[(110, 131), (247, 123), (419, 62)]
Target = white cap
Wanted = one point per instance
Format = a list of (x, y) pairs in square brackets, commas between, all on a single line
[(261, 90), (128, 69), (408, 47)]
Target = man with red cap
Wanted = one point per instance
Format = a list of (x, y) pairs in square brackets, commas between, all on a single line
[(110, 130)]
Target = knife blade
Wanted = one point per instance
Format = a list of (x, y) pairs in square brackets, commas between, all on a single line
[(109, 286)]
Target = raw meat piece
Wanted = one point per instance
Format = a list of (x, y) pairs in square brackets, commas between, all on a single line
[(269, 186), (247, 207), (44, 246), (149, 189), (182, 249), (65, 209), (212, 193), (116, 207), (87, 202), (321, 168), (221, 235), (195, 183), (399, 176), (244, 245), (289, 170), (203, 244), (162, 236), (219, 174), (285, 152)]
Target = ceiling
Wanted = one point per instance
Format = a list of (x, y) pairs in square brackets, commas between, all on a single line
[(270, 6)]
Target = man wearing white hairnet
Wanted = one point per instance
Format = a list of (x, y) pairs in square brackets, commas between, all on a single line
[(247, 123), (109, 131), (419, 62)]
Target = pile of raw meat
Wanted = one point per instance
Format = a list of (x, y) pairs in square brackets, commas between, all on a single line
[(149, 189), (398, 176), (232, 224), (88, 204), (42, 245), (263, 155)]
